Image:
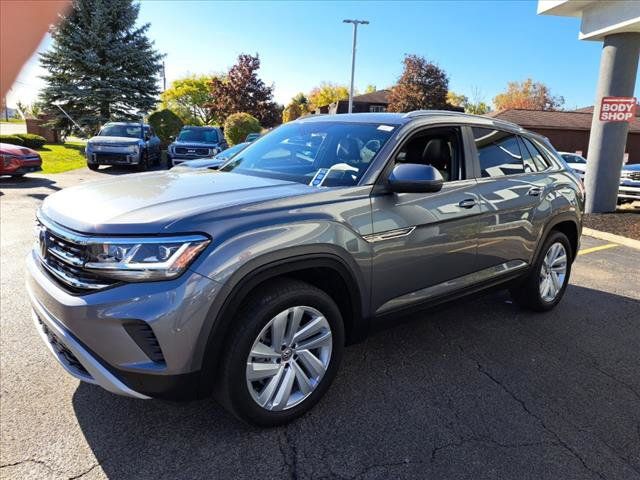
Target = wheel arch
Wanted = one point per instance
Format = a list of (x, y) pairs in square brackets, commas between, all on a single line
[(566, 223), (330, 272)]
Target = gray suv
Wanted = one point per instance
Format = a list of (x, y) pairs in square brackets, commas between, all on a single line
[(248, 282), (124, 143)]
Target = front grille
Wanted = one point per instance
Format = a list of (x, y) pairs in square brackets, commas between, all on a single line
[(66, 355), (192, 151), (64, 260), (143, 335), (634, 176), (112, 158)]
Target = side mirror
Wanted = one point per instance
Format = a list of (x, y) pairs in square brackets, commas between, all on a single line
[(414, 178)]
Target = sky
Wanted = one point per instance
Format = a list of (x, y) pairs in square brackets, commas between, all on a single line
[(481, 45)]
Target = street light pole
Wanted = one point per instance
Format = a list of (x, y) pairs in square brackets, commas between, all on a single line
[(353, 56)]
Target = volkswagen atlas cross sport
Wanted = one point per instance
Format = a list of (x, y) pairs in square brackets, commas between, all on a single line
[(247, 282)]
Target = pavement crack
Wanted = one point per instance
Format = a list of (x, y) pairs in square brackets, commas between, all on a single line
[(29, 460), (289, 451), (542, 423), (522, 404), (88, 470)]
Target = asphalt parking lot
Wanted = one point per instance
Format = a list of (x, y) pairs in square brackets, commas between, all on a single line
[(476, 390)]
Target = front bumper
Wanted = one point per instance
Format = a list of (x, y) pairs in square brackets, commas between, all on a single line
[(75, 358), (88, 333), (178, 159), (629, 190), (113, 158)]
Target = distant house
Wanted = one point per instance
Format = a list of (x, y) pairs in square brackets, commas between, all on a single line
[(369, 102), (377, 101), (568, 131)]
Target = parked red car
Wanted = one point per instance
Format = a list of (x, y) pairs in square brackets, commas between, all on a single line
[(16, 160)]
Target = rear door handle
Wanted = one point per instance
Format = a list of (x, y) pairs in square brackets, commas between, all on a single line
[(468, 203), (535, 191)]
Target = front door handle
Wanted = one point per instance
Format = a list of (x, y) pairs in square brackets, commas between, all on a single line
[(468, 203), (535, 191)]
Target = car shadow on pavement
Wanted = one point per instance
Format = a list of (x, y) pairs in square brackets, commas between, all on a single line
[(480, 389), (28, 182)]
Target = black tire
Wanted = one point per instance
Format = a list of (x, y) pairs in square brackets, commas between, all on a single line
[(93, 166), (232, 390), (527, 292), (143, 166)]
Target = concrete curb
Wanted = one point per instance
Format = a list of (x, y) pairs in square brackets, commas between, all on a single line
[(610, 237)]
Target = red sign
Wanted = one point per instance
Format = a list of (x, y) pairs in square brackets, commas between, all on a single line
[(617, 109)]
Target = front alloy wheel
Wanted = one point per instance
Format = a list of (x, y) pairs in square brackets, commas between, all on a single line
[(289, 358), (283, 353)]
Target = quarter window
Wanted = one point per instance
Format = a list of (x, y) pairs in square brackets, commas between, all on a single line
[(541, 162), (498, 152), (527, 159)]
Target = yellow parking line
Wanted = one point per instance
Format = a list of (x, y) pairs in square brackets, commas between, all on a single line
[(597, 249)]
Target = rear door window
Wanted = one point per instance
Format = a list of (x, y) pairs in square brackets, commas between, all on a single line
[(498, 152)]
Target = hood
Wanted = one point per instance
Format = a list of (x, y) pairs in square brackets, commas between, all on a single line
[(148, 203), (179, 143), (10, 149), (114, 140), (201, 163), (635, 167)]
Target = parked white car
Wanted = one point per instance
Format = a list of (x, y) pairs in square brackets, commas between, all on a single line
[(576, 162), (629, 190)]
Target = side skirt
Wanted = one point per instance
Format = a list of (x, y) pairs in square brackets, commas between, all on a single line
[(455, 288)]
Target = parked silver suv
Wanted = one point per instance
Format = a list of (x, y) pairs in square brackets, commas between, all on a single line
[(248, 282)]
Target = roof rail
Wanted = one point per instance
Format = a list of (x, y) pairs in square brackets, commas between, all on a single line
[(495, 121)]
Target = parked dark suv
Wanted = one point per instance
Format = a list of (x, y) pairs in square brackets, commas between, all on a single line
[(196, 142), (249, 281)]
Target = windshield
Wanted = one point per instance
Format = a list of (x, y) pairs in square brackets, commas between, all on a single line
[(231, 151), (319, 154), (131, 131), (198, 135), (570, 158)]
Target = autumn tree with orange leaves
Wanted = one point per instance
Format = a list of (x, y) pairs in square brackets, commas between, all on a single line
[(527, 95)]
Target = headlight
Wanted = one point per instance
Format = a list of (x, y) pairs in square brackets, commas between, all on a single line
[(133, 148), (624, 174), (137, 259)]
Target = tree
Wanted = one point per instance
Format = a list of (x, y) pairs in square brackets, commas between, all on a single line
[(527, 95), (101, 65), (291, 112), (370, 88), (325, 94), (298, 106), (166, 124), (240, 90), (239, 125), (477, 106), (457, 100), (188, 97), (422, 85)]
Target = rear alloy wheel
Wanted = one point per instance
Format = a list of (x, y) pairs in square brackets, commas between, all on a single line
[(553, 272), (283, 354), (544, 285)]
